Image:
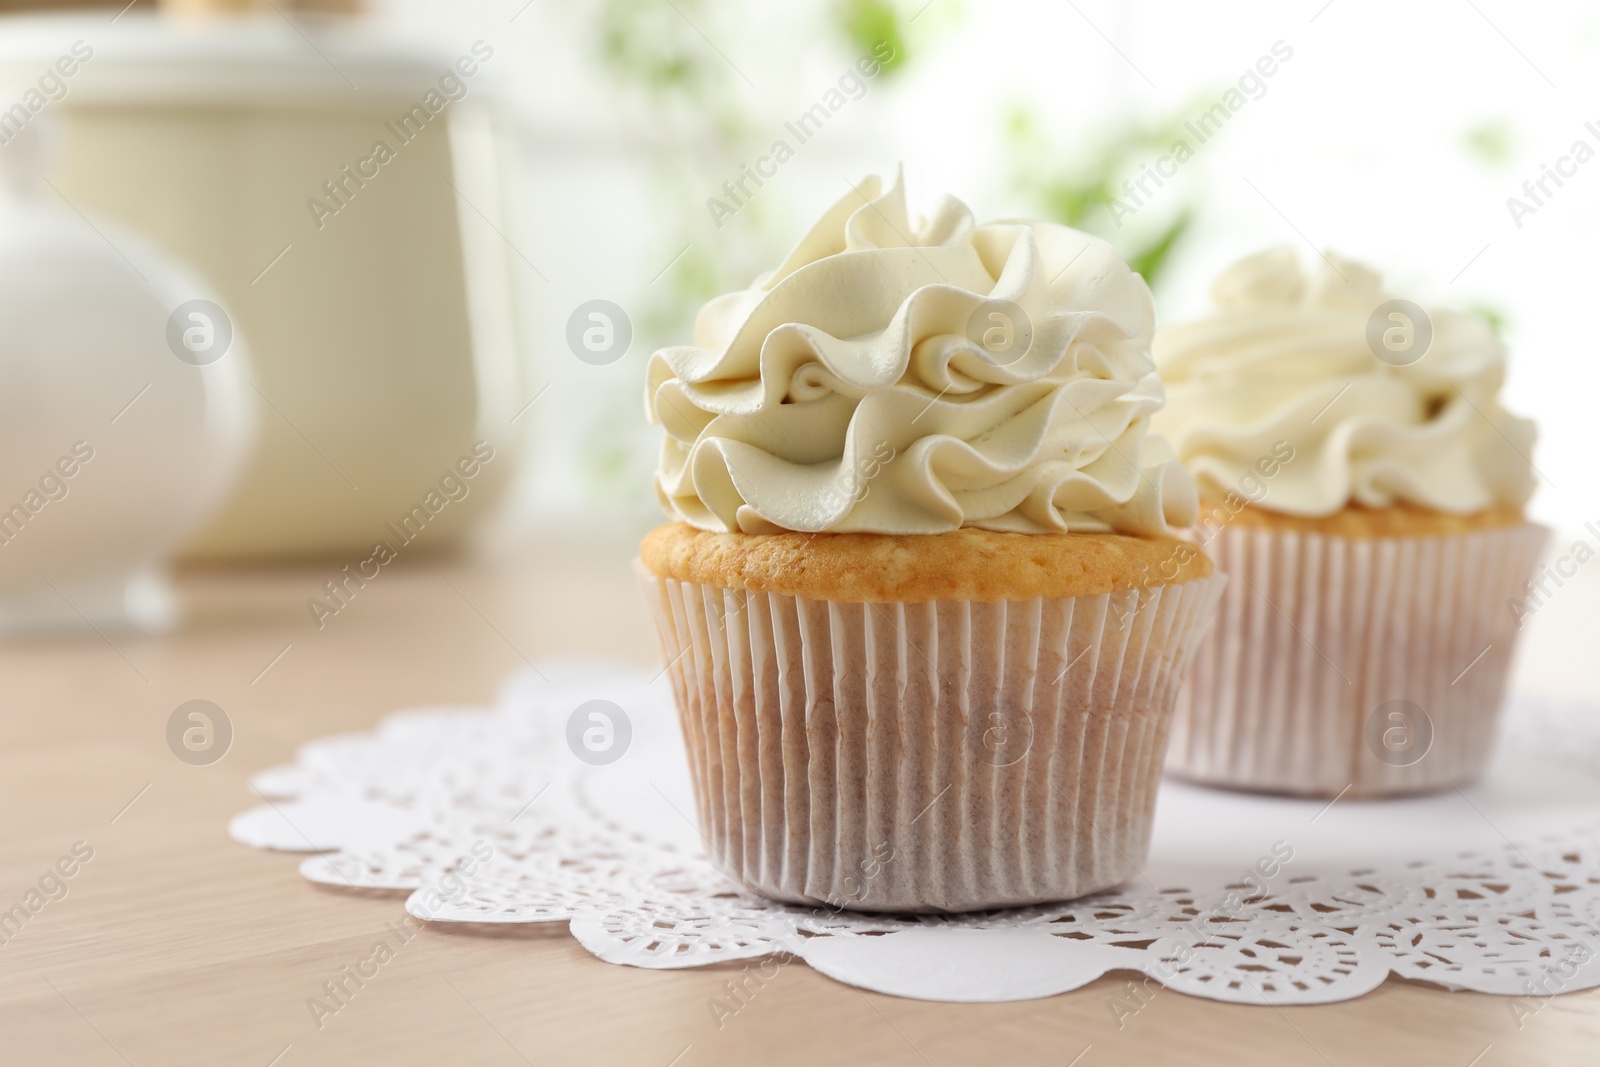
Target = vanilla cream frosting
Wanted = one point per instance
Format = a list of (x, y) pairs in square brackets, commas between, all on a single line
[(1286, 358), (916, 376)]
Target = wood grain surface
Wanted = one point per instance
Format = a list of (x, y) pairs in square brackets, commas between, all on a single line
[(173, 945)]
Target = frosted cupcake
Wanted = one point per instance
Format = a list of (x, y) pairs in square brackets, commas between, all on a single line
[(921, 607), (1363, 488)]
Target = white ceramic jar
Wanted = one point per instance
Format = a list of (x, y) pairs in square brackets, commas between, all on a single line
[(125, 417), (375, 285)]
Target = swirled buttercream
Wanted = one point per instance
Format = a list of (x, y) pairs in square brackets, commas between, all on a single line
[(1292, 356), (905, 377)]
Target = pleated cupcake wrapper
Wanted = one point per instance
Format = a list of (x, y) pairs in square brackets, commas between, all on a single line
[(926, 757), (1326, 648)]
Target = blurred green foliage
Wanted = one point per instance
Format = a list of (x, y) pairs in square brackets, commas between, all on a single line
[(649, 46), (866, 24), (1490, 142), (1494, 316), (1077, 188), (648, 42), (656, 56)]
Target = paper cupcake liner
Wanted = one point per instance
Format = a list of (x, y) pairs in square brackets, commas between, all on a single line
[(1376, 665), (927, 757)]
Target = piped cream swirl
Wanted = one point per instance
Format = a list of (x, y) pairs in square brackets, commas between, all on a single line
[(897, 377), (1287, 358)]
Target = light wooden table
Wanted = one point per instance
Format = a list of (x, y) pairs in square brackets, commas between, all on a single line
[(174, 945)]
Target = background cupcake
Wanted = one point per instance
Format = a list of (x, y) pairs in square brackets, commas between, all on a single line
[(920, 608), (1363, 488)]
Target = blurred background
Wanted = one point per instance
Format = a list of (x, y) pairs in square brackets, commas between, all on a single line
[(429, 237)]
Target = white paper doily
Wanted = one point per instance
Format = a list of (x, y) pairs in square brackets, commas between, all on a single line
[(485, 815)]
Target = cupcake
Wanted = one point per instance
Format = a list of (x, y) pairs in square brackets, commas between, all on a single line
[(920, 601), (1363, 488)]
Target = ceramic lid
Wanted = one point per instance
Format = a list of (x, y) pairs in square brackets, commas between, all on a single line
[(248, 61)]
